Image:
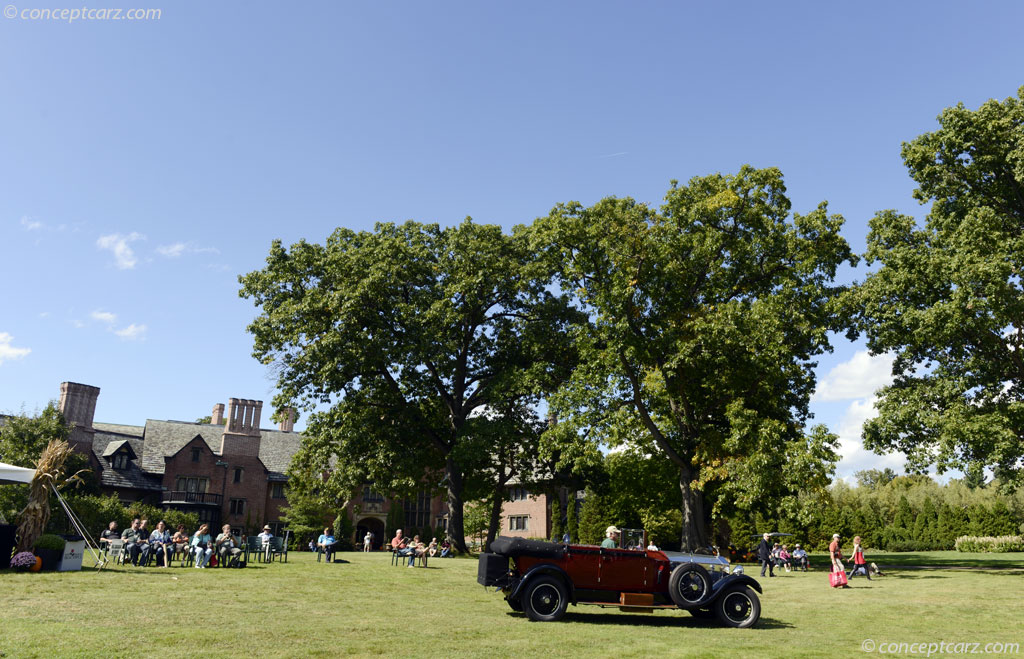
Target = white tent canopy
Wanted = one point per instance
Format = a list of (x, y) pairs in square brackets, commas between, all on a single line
[(12, 474)]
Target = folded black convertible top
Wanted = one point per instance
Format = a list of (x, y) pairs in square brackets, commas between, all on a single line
[(513, 547)]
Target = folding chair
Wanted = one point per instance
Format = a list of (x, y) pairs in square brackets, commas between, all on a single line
[(116, 551)]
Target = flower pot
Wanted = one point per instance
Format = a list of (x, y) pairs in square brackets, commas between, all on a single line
[(50, 557)]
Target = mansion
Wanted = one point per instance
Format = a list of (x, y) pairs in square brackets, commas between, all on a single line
[(233, 471)]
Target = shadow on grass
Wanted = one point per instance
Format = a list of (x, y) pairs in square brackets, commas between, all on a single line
[(645, 620)]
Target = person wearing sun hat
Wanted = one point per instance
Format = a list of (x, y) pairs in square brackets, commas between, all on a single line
[(265, 539), (611, 535)]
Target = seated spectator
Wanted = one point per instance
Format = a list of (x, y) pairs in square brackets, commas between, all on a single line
[(325, 543), (446, 549), (202, 545), (179, 541), (800, 558), (413, 550), (227, 547), (265, 539), (159, 541), (132, 546), (432, 548), (145, 551), (398, 542), (109, 534), (784, 558), (652, 546)]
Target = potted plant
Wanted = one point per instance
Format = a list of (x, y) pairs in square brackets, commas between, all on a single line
[(50, 548), (24, 560)]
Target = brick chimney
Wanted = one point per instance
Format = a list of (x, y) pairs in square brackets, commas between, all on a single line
[(78, 405), (287, 416), (242, 432), (217, 418)]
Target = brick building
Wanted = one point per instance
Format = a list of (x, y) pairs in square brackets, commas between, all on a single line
[(232, 471), (227, 471)]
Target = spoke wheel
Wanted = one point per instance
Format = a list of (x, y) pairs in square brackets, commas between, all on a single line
[(689, 586), (544, 599), (738, 607)]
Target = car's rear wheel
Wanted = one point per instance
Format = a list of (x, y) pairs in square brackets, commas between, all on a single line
[(689, 586), (544, 599), (738, 607)]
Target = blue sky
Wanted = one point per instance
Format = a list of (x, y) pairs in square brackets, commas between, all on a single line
[(146, 164)]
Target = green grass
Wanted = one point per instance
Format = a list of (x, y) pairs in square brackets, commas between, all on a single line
[(367, 607)]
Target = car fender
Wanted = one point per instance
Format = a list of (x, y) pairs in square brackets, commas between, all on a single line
[(544, 568), (729, 580)]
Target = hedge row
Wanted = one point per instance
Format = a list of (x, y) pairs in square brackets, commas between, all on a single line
[(999, 544)]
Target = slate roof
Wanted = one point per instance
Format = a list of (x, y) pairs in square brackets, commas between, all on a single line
[(134, 477)]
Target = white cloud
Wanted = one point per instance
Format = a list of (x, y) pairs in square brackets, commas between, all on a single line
[(174, 250), (9, 352), (104, 316), (30, 224), (860, 377), (131, 333), (851, 443), (124, 257)]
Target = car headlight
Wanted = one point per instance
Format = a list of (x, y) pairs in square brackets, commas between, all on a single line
[(737, 569)]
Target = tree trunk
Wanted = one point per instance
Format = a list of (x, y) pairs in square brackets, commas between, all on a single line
[(492, 527), (563, 508), (455, 506), (695, 532)]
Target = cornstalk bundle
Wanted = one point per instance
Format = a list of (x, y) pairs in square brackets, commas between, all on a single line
[(36, 515)]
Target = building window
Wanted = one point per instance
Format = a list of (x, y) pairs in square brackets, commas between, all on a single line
[(371, 496), (237, 506), (208, 515), (120, 461), (518, 493), (518, 522), (277, 491), (195, 454), (238, 475), (442, 524), (191, 484), (417, 512)]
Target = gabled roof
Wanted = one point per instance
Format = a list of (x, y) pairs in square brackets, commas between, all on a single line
[(134, 477), (116, 445)]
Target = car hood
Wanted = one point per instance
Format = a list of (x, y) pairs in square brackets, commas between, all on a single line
[(703, 559)]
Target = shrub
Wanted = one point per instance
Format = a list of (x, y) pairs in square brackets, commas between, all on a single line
[(998, 544), (49, 541)]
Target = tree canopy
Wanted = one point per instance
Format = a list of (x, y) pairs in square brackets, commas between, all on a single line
[(946, 298), (405, 337), (705, 318)]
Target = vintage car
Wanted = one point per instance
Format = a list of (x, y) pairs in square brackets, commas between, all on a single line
[(542, 578)]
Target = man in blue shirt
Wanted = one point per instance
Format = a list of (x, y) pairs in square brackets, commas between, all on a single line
[(326, 544)]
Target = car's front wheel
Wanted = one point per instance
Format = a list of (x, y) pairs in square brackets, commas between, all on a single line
[(514, 604), (689, 586), (738, 607), (544, 599)]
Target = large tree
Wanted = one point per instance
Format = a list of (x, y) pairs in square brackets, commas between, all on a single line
[(704, 322), (947, 299), (407, 335)]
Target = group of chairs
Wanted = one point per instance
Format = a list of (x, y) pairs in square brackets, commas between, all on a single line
[(117, 553)]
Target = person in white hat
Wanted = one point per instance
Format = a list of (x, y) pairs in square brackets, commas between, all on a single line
[(611, 536)]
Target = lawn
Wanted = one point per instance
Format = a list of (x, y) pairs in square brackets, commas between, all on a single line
[(368, 607)]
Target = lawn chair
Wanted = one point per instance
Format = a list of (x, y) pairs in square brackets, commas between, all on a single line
[(116, 551), (278, 548), (253, 545)]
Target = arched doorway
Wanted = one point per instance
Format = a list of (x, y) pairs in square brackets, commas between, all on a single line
[(374, 526)]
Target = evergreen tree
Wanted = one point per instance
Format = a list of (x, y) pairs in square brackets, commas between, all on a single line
[(572, 524), (556, 520), (592, 519)]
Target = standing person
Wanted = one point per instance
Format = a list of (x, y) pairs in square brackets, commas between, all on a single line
[(764, 555), (859, 564), (836, 554), (611, 537), (367, 541), (202, 545), (227, 547), (159, 539), (265, 537)]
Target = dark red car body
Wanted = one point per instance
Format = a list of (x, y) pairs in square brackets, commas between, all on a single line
[(542, 578)]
